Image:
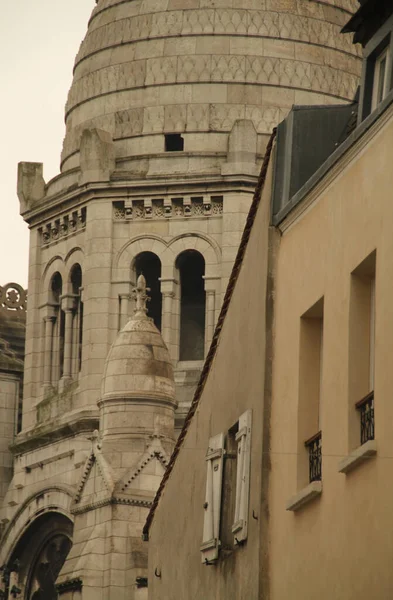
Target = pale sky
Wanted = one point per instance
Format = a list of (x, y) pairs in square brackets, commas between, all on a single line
[(38, 43)]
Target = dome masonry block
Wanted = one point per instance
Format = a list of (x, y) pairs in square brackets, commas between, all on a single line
[(97, 155), (242, 149)]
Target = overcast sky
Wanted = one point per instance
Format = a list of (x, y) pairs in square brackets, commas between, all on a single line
[(38, 43)]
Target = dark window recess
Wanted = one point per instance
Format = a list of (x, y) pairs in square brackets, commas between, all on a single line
[(174, 142), (229, 491), (76, 281), (61, 342), (149, 265), (366, 410), (314, 447), (191, 265)]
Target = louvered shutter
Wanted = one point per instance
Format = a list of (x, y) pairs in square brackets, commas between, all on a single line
[(243, 439), (212, 507)]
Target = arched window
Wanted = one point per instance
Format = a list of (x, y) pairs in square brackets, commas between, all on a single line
[(77, 325), (39, 556), (191, 266), (55, 339), (149, 265)]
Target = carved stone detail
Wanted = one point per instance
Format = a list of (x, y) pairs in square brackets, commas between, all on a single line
[(61, 228), (166, 208)]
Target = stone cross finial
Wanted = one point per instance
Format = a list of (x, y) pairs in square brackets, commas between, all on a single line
[(141, 297)]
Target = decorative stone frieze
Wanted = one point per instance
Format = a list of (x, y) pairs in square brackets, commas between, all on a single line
[(165, 208), (65, 226)]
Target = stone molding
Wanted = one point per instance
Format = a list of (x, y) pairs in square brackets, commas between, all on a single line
[(155, 450), (71, 585), (42, 435), (219, 21)]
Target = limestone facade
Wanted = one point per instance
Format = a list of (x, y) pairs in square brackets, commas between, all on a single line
[(167, 122)]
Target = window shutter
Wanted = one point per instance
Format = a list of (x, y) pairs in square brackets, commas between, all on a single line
[(211, 525), (243, 439)]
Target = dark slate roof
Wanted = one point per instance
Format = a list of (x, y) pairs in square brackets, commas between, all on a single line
[(217, 333), (371, 15)]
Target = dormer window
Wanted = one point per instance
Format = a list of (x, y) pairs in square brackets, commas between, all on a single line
[(380, 83)]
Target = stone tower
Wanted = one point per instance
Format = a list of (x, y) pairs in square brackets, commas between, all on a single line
[(167, 120)]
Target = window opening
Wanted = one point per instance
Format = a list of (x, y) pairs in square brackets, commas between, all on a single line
[(149, 265), (380, 87), (76, 283), (57, 352), (310, 395), (362, 352), (191, 265), (174, 142)]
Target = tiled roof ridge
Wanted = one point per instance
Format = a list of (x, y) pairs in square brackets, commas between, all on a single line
[(214, 344)]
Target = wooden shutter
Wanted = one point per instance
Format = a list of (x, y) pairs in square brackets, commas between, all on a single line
[(243, 439), (212, 507)]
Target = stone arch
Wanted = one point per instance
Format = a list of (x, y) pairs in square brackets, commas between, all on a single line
[(123, 263), (73, 257), (203, 244), (55, 499), (56, 264)]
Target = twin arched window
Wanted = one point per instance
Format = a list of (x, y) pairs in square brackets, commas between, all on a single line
[(185, 316), (63, 328)]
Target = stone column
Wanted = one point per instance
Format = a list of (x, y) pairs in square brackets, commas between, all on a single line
[(212, 288), (124, 309), (68, 306), (168, 294), (209, 327), (49, 317)]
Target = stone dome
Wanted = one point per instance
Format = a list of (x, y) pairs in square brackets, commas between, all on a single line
[(138, 366), (147, 69)]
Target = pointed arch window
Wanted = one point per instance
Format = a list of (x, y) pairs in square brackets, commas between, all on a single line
[(191, 268), (149, 265)]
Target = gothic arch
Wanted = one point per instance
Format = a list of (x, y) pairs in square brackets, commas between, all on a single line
[(55, 499)]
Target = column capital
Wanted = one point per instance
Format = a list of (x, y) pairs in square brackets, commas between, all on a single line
[(168, 285), (48, 311), (68, 302)]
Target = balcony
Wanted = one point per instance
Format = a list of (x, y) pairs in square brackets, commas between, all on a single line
[(366, 410), (314, 447)]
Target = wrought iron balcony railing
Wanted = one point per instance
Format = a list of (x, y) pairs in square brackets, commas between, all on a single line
[(366, 410), (314, 447)]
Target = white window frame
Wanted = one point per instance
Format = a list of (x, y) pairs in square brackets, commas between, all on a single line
[(211, 526), (376, 96), (243, 439)]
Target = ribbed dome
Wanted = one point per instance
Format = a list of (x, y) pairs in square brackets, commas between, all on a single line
[(149, 68), (138, 365)]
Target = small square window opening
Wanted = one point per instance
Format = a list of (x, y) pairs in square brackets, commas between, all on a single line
[(174, 142)]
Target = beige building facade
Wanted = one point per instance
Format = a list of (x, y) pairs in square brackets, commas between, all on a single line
[(288, 492), (167, 122)]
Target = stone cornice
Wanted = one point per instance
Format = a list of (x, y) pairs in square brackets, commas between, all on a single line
[(55, 431), (143, 502), (128, 187)]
